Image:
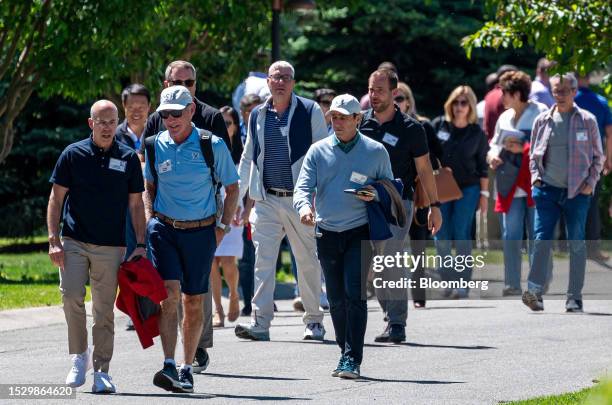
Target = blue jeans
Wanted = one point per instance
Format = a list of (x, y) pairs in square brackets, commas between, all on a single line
[(457, 217), (550, 203), (340, 255), (514, 222)]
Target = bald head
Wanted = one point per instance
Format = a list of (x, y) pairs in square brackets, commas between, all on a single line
[(103, 121), (102, 105)]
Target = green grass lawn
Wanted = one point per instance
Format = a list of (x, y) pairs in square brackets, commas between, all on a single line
[(28, 280), (572, 398)]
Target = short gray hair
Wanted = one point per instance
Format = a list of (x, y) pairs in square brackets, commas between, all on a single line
[(282, 64), (570, 77), (179, 64)]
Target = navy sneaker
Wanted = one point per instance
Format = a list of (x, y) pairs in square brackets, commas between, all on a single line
[(167, 378), (201, 361), (186, 379), (350, 370), (397, 334), (339, 367)]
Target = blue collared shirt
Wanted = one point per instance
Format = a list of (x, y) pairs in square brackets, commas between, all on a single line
[(184, 190)]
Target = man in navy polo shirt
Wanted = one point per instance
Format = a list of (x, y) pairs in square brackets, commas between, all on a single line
[(183, 232), (96, 180)]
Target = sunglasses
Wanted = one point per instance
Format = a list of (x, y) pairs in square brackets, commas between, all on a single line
[(186, 83), (399, 99), (175, 113), (229, 123), (462, 103)]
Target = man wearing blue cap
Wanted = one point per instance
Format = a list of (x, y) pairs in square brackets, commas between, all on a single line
[(342, 161), (183, 226)]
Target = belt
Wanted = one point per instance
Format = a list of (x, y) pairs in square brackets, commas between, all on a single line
[(198, 223), (279, 193)]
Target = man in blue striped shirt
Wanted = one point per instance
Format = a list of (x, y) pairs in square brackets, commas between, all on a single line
[(280, 131)]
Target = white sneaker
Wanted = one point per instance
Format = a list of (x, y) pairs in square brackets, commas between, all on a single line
[(103, 384), (80, 364), (314, 331)]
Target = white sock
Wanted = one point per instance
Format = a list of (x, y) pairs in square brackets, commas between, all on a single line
[(186, 367), (170, 361)]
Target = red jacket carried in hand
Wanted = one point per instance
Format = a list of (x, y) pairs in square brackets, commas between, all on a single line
[(141, 289)]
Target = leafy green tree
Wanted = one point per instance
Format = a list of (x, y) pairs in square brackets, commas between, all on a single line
[(342, 46), (575, 33), (82, 49)]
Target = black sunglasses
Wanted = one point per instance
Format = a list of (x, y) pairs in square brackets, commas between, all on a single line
[(462, 103), (175, 113), (229, 123), (399, 99), (186, 83)]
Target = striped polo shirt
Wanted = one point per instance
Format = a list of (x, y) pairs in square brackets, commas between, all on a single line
[(277, 166)]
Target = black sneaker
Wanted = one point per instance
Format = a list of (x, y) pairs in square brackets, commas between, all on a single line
[(246, 311), (383, 337), (201, 361), (168, 379), (397, 334), (186, 380), (533, 301), (572, 305)]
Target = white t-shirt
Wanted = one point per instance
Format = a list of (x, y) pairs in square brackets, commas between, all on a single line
[(506, 125)]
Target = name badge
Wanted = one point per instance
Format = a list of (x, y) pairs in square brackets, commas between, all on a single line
[(165, 166), (581, 136), (359, 178), (443, 135), (117, 164), (390, 139), (284, 130)]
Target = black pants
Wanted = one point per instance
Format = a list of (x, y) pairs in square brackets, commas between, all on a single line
[(246, 269), (418, 242), (345, 266)]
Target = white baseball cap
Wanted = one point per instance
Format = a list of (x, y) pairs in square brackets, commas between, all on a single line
[(174, 98), (345, 104)]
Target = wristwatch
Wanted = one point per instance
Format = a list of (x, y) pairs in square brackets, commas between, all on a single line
[(485, 193), (141, 245), (225, 228), (436, 204)]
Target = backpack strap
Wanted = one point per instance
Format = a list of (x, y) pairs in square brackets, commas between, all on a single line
[(150, 154), (209, 157)]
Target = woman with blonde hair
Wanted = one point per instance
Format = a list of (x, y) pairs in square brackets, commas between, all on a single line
[(464, 150)]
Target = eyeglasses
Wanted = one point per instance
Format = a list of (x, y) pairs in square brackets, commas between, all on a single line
[(399, 99), (104, 123), (229, 123), (561, 93), (462, 103), (278, 78), (175, 113), (186, 83)]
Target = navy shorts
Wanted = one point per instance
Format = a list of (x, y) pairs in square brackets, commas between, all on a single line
[(183, 254)]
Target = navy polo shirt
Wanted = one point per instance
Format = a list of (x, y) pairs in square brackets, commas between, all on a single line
[(98, 185)]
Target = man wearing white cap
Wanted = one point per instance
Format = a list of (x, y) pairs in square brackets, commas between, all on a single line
[(183, 227), (346, 160)]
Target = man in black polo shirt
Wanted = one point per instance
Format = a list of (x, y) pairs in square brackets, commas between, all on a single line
[(406, 142), (96, 180), (182, 73)]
